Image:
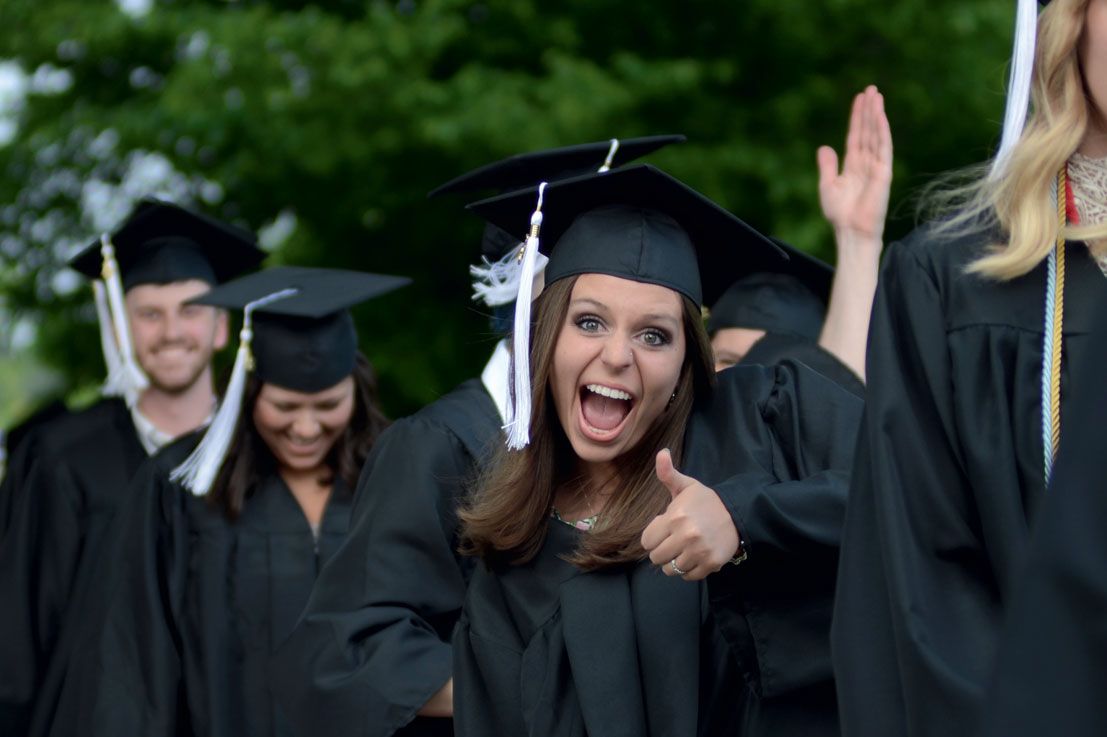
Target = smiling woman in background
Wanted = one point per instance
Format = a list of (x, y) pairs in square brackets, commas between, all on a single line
[(216, 559)]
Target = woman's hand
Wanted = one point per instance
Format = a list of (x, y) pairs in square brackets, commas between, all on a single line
[(695, 536), (855, 200)]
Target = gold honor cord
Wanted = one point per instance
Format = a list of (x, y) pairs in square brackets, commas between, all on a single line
[(1052, 343)]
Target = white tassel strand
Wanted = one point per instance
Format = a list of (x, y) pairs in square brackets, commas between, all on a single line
[(518, 417), (497, 282), (197, 473), (614, 149), (1018, 84), (127, 380), (112, 361)]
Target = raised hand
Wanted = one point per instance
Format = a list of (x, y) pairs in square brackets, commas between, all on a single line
[(695, 536), (855, 199)]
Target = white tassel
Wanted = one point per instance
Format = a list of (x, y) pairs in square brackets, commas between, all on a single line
[(127, 380), (1018, 84), (497, 282), (518, 415), (197, 472), (611, 151), (112, 361)]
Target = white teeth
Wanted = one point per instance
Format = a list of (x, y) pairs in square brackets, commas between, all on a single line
[(606, 391)]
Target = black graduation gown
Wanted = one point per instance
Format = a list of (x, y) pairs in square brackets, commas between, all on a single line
[(19, 455), (373, 644), (64, 496), (1050, 676), (775, 347), (190, 608), (949, 471), (544, 650)]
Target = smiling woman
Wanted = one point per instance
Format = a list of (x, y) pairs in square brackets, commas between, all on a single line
[(224, 535), (623, 389)]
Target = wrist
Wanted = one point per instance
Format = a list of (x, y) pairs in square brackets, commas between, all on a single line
[(851, 242), (740, 554)]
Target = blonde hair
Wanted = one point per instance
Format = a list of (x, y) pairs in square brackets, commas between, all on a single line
[(1019, 201)]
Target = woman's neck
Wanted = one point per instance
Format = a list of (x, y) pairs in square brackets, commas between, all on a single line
[(309, 493), (587, 494), (1094, 145)]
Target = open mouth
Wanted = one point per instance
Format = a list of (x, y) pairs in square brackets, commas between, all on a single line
[(604, 410)]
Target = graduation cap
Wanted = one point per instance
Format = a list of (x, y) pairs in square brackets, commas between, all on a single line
[(159, 243), (1018, 84), (496, 279), (297, 333), (790, 301), (635, 223)]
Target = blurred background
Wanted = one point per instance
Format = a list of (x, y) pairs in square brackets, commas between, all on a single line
[(322, 125)]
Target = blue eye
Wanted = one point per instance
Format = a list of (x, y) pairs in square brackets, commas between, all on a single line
[(588, 324), (656, 338)]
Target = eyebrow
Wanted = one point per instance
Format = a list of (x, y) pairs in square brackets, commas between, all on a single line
[(650, 317)]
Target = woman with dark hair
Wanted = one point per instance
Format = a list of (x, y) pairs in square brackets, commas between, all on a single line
[(567, 629), (217, 552)]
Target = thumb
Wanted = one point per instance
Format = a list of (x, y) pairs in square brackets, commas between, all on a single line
[(667, 474), (828, 165)]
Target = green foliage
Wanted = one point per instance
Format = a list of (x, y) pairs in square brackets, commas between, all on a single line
[(346, 113)]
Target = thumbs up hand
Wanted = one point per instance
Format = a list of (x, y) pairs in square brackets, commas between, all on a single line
[(695, 536)]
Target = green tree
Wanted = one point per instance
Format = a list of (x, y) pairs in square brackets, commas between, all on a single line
[(326, 123)]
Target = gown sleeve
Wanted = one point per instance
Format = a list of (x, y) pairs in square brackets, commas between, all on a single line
[(912, 609), (38, 560), (373, 644), (788, 504), (125, 676)]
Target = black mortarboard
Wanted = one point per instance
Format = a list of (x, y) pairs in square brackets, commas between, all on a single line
[(789, 301), (162, 243), (638, 223), (297, 333), (547, 165), (304, 341)]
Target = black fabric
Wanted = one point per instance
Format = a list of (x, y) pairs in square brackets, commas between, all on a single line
[(303, 337), (304, 354), (525, 170), (621, 223), (642, 245), (189, 608), (495, 243), (774, 348), (20, 455), (775, 303), (166, 260), (949, 471), (1050, 676), (542, 649), (61, 507), (373, 644), (160, 243)]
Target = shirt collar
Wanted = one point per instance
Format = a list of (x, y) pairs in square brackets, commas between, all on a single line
[(495, 377)]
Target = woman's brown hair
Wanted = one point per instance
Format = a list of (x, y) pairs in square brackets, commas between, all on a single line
[(250, 460), (509, 512)]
